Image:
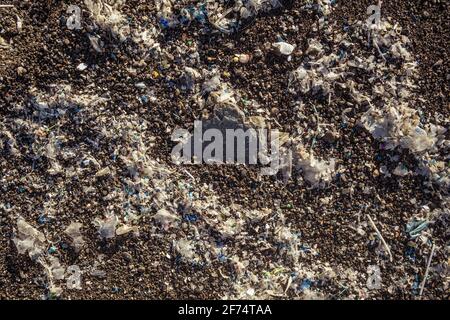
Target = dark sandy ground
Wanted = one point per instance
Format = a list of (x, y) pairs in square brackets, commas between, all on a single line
[(146, 265)]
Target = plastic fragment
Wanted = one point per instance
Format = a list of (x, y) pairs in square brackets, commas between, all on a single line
[(29, 240), (107, 227), (73, 231)]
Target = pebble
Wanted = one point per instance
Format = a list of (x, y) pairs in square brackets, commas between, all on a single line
[(21, 71), (258, 53), (331, 136), (243, 58), (127, 256)]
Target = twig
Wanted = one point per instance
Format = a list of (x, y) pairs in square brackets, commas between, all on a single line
[(378, 49), (279, 125), (380, 236), (190, 175), (422, 286), (316, 114), (289, 282), (6, 6)]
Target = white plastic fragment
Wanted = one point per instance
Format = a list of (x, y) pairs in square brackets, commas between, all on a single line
[(317, 172), (57, 270), (400, 126), (230, 227), (229, 20), (82, 66), (96, 43), (401, 170), (107, 227), (29, 240), (314, 48), (74, 279), (283, 48), (124, 229), (140, 85), (73, 231), (165, 218), (19, 24), (108, 17), (185, 249), (211, 84)]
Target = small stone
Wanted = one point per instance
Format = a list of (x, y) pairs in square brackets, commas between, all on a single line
[(127, 256), (21, 71), (155, 74), (258, 53), (141, 269), (438, 63), (243, 58), (331, 136)]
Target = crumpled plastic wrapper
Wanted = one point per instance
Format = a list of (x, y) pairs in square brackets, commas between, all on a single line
[(73, 231), (400, 126), (108, 17), (317, 172), (29, 240)]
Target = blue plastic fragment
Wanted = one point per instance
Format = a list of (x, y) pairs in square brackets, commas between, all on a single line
[(43, 219), (164, 23), (410, 253), (192, 217), (415, 228), (143, 99), (305, 248), (306, 284), (222, 257)]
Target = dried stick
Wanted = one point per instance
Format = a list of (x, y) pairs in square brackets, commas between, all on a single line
[(422, 286), (380, 236)]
